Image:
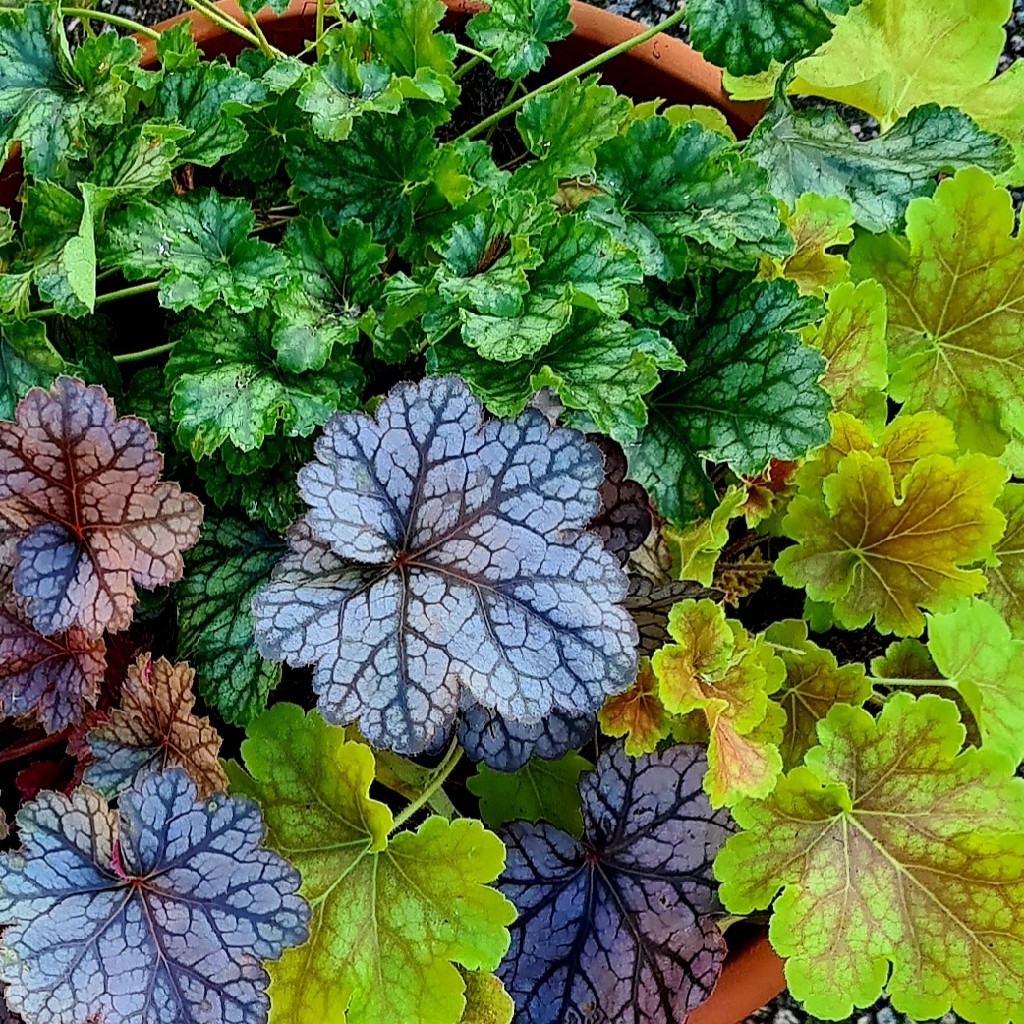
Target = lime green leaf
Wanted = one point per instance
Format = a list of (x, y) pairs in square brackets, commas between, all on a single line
[(716, 667), (881, 541), (1006, 567), (749, 393), (695, 549), (814, 151), (972, 647), (539, 791), (223, 571), (564, 127), (956, 307), (599, 366), (487, 1002), (199, 246), (518, 31), (227, 386), (207, 99), (637, 713), (817, 224), (392, 914), (176, 48), (49, 102), (943, 900), (328, 287), (745, 36), (852, 340), (814, 684), (671, 187), (27, 360)]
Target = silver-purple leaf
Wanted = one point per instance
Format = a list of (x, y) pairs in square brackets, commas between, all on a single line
[(159, 912), (506, 746), (445, 558), (616, 927)]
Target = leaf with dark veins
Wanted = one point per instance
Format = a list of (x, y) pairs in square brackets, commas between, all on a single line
[(626, 517), (445, 558), (82, 488), (155, 728), (156, 913), (617, 926)]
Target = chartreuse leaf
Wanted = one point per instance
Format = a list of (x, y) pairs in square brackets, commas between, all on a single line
[(885, 530), (518, 31), (817, 224), (487, 1002), (391, 914), (154, 728), (50, 102), (889, 56), (972, 648), (1005, 571), (745, 36), (27, 360), (228, 387), (81, 489), (495, 530), (814, 684), (207, 99), (814, 151), (637, 714), (539, 791), (215, 630), (621, 918), (749, 393), (199, 246), (716, 667), (328, 286), (890, 846), (696, 548), (956, 308), (852, 340), (600, 366), (671, 187), (161, 910)]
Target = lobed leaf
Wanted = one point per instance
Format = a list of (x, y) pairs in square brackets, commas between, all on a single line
[(82, 489), (160, 911), (426, 506), (638, 714), (1005, 572), (507, 745), (519, 31), (620, 919)]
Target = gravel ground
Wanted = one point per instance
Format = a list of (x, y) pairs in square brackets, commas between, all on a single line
[(784, 1010)]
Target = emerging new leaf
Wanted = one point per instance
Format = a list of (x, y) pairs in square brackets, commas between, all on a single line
[(890, 822), (444, 558), (392, 914), (155, 728), (83, 489), (620, 919), (160, 911), (637, 713)]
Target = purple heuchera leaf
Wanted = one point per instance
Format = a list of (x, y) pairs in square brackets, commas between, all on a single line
[(443, 559), (157, 913), (626, 517), (616, 926), (506, 746), (82, 488)]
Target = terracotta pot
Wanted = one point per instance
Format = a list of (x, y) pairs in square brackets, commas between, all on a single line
[(661, 68)]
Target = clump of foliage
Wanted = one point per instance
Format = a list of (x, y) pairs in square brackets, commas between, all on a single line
[(468, 537)]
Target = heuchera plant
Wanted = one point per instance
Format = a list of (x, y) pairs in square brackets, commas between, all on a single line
[(468, 538)]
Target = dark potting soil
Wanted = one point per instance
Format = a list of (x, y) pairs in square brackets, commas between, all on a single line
[(155, 630)]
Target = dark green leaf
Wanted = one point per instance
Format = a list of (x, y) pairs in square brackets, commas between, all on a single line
[(223, 571), (27, 360), (199, 246), (136, 162), (518, 32), (814, 151)]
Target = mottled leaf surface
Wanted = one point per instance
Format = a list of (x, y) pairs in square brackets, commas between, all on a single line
[(890, 847), (445, 557), (518, 31), (215, 628), (159, 912), (27, 360), (82, 487), (392, 914), (155, 728), (618, 921)]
